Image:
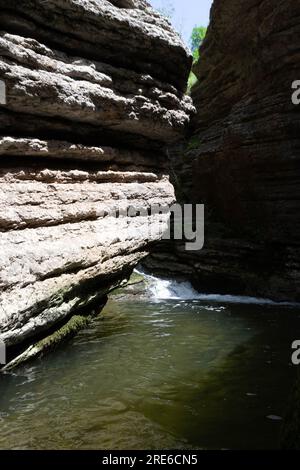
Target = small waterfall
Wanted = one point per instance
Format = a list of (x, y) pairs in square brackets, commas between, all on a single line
[(164, 289)]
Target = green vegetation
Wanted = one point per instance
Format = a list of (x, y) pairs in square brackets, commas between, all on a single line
[(197, 38), (73, 325), (192, 81), (194, 143)]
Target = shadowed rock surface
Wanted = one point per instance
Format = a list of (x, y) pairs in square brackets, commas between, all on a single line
[(94, 92), (243, 157)]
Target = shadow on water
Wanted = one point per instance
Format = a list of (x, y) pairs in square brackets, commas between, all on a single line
[(172, 374), (241, 403)]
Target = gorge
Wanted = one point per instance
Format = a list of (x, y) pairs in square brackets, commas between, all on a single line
[(242, 158), (169, 348)]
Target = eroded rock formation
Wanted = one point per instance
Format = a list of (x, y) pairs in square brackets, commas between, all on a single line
[(243, 159), (94, 92)]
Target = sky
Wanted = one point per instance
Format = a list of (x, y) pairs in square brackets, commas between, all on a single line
[(187, 14)]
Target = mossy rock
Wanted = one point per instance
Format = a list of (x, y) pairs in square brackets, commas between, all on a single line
[(76, 323), (194, 143), (192, 81)]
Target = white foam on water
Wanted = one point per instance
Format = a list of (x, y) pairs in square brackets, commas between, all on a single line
[(164, 289)]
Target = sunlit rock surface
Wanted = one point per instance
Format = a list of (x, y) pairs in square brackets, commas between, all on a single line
[(95, 90)]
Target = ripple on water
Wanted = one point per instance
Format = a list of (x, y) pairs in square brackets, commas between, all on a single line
[(167, 375)]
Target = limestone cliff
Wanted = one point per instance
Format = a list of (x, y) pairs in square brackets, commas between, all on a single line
[(243, 157), (93, 92)]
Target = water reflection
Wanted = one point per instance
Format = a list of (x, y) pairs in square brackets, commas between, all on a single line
[(177, 374)]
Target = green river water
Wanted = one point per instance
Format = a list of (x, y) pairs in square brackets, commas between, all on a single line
[(158, 374)]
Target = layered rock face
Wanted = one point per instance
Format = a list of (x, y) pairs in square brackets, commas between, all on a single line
[(92, 92), (243, 158)]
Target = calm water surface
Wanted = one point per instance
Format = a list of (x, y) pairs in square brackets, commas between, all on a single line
[(158, 375)]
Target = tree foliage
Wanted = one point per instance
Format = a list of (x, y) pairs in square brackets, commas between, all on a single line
[(197, 38)]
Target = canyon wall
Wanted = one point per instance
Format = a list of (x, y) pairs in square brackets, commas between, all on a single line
[(242, 160), (92, 91)]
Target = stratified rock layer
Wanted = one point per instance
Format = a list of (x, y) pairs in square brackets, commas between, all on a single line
[(94, 90), (243, 160)]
